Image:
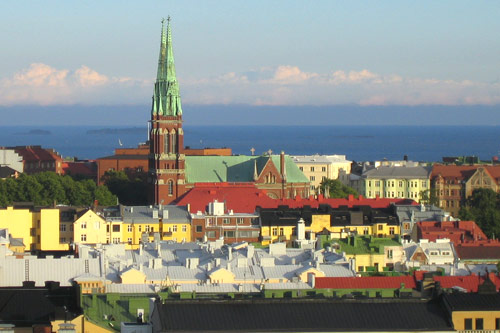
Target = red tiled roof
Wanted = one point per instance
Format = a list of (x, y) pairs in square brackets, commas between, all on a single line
[(457, 231), (244, 198), (241, 198), (463, 172), (36, 153), (80, 168), (371, 282), (350, 202), (468, 282)]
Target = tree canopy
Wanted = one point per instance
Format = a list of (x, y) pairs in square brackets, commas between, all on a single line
[(47, 188), (336, 189), (483, 207), (130, 187)]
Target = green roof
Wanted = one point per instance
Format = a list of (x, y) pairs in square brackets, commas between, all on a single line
[(363, 245), (209, 169)]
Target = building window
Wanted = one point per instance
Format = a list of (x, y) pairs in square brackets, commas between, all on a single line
[(146, 229), (282, 232), (129, 240), (380, 227), (228, 234), (184, 228), (389, 254), (199, 228), (275, 231), (116, 240), (365, 231), (312, 178), (83, 237), (62, 240), (174, 142), (406, 225), (170, 187), (225, 220), (84, 225), (424, 184), (323, 169), (312, 169), (210, 234), (391, 231), (361, 268), (166, 143), (239, 220), (174, 228), (140, 228), (497, 323), (301, 168), (62, 227), (116, 228), (129, 228), (377, 183), (479, 324)]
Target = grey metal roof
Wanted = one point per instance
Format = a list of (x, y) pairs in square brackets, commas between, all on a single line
[(402, 172), (63, 270), (144, 214)]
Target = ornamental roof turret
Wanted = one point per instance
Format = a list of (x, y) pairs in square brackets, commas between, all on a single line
[(166, 97)]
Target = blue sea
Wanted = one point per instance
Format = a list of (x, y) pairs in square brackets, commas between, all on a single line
[(358, 143)]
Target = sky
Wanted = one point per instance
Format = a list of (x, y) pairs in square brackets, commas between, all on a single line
[(259, 54)]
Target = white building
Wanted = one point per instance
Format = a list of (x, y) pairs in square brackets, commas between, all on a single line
[(319, 167)]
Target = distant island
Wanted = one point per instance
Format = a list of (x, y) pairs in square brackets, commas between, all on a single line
[(131, 130), (35, 132)]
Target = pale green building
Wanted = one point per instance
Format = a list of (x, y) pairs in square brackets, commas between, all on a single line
[(395, 182)]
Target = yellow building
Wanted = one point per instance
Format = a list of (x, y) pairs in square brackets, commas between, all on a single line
[(90, 228), (371, 254), (278, 233), (39, 228), (469, 312), (319, 167), (280, 225), (395, 182)]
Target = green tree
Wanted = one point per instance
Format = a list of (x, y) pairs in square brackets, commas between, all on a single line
[(483, 207), (336, 189), (104, 196), (429, 197), (130, 187), (29, 189), (53, 190), (4, 199)]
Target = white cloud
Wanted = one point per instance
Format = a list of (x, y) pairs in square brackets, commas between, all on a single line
[(46, 85), (289, 85), (87, 77), (281, 85)]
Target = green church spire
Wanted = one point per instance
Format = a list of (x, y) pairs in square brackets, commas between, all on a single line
[(166, 97)]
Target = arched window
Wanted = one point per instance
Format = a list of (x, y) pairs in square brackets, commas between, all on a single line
[(166, 143), (174, 142), (170, 187)]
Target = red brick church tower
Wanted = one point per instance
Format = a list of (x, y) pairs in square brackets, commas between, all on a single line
[(166, 138)]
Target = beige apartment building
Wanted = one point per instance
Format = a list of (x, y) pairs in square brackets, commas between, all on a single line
[(319, 167)]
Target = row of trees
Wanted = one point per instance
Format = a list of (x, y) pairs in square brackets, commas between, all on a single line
[(483, 207), (47, 188)]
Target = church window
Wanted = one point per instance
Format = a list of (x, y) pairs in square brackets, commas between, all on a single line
[(174, 142), (170, 187), (166, 143)]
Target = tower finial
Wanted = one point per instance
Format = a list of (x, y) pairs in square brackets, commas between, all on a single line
[(168, 19)]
